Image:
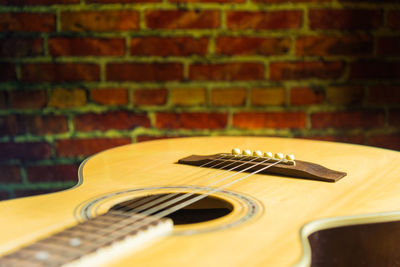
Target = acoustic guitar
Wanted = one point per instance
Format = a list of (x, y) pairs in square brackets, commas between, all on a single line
[(215, 201)]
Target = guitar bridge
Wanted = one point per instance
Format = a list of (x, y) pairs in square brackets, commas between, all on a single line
[(249, 162)]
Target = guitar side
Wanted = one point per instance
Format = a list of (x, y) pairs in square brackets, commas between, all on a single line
[(270, 238)]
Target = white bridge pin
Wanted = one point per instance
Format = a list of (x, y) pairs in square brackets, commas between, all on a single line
[(236, 151), (268, 155), (257, 153), (246, 152), (290, 157)]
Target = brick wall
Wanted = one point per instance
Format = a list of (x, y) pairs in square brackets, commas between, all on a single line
[(80, 76)]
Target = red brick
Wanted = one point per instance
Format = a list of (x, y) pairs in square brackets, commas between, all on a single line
[(168, 46), (10, 174), (227, 71), (394, 117), (374, 70), (60, 72), (141, 72), (150, 97), (305, 70), (352, 139), (344, 95), (33, 124), (301, 96), (382, 94), (228, 97), (388, 46), (76, 46), (347, 119), (195, 120), (67, 98), (271, 20), (27, 22), (100, 21), (110, 96), (7, 72), (87, 146), (252, 46), (259, 120), (187, 96), (27, 99), (269, 96), (37, 2), (334, 45), (385, 141), (120, 120), (25, 150), (341, 19), (122, 1), (182, 19), (393, 19), (52, 173), (21, 47), (42, 124)]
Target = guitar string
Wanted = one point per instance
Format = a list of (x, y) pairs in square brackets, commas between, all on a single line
[(148, 204), (144, 220), (199, 197), (203, 165), (133, 220), (175, 200), (148, 201), (149, 219), (141, 201), (155, 217), (188, 174)]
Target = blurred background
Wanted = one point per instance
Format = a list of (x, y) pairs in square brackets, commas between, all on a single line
[(81, 76)]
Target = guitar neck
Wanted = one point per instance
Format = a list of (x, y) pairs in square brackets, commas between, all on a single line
[(109, 233)]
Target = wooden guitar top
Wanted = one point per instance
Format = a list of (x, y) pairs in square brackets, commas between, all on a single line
[(286, 210)]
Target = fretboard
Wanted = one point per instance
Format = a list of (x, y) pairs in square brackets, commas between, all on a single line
[(78, 243)]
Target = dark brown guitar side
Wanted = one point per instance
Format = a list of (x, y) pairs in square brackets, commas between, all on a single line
[(369, 245)]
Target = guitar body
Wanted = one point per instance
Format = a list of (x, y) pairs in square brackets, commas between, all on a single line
[(270, 216)]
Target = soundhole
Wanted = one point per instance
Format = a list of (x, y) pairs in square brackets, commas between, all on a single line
[(206, 209)]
